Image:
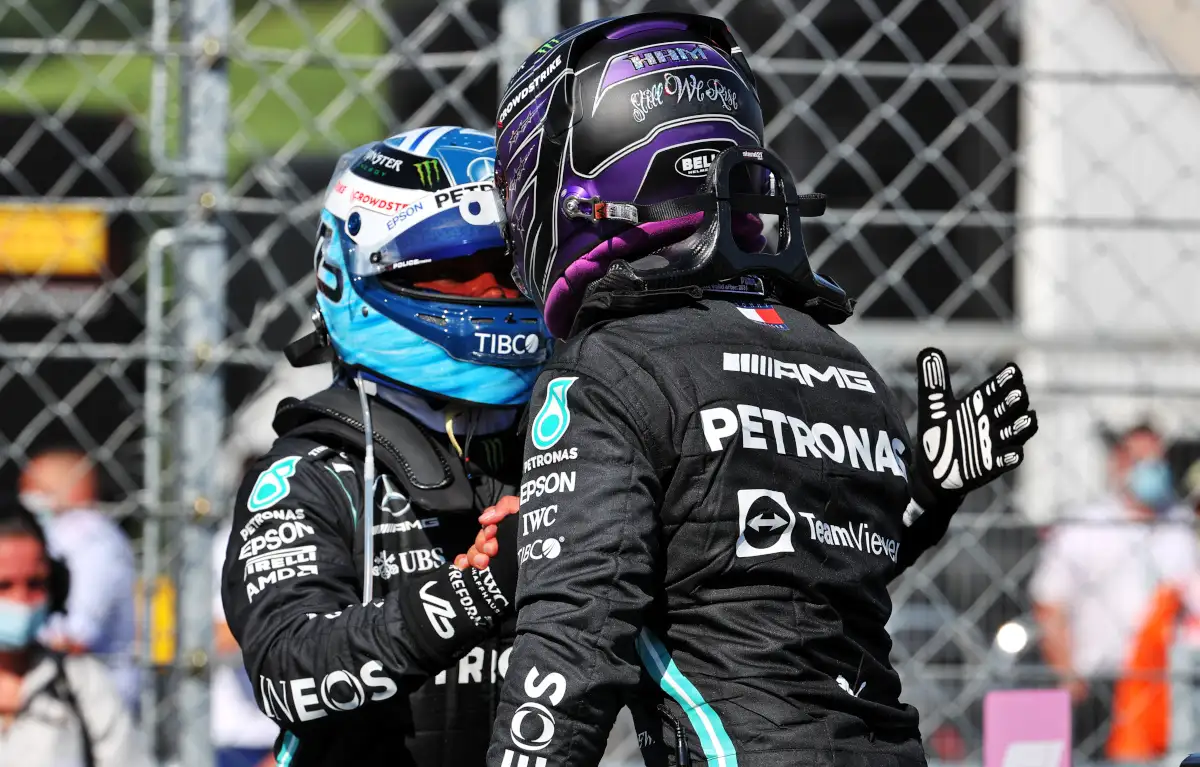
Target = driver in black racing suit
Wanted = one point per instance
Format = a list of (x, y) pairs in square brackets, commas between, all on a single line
[(337, 583), (718, 488)]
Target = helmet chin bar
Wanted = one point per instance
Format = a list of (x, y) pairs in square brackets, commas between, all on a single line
[(721, 258)]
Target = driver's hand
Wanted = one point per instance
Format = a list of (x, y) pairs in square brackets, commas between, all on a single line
[(486, 546)]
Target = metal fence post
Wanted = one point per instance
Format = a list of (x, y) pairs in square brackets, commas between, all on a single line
[(152, 469), (200, 283)]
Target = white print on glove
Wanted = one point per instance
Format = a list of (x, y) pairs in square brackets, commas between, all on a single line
[(969, 442)]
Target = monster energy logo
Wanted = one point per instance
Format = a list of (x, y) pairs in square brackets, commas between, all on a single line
[(493, 453), (546, 46), (429, 172)]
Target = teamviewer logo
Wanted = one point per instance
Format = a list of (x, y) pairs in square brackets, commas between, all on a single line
[(765, 523)]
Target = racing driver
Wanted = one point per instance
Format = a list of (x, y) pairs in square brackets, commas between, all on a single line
[(717, 487), (337, 583)]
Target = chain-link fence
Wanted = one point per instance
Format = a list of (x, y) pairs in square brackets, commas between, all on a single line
[(1007, 180)]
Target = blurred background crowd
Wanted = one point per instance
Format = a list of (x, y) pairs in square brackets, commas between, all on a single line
[(1008, 179)]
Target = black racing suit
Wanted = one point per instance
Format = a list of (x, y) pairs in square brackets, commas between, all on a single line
[(350, 684), (711, 513)]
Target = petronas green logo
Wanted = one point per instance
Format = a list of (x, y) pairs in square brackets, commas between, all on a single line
[(553, 419), (272, 485), (429, 172)]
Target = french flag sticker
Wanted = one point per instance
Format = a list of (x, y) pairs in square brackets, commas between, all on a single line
[(762, 314)]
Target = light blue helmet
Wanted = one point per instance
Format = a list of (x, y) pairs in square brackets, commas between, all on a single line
[(412, 286)]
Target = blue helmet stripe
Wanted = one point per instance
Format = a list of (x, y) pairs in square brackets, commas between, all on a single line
[(427, 143), (411, 140)]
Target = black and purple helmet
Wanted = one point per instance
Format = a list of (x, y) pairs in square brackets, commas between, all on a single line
[(634, 110)]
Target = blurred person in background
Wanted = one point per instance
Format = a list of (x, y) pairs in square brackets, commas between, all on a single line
[(1110, 584), (55, 710), (1191, 486), (337, 583), (61, 486)]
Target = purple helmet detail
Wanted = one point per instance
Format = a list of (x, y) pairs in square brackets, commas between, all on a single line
[(624, 110), (565, 295)]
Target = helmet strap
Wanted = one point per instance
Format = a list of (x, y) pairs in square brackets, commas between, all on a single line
[(312, 349), (595, 209)]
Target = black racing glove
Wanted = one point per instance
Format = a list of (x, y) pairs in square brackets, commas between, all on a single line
[(962, 444), (966, 443), (452, 610)]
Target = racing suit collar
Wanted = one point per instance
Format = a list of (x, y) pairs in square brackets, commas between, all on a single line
[(479, 420), (615, 296), (432, 475), (432, 415)]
